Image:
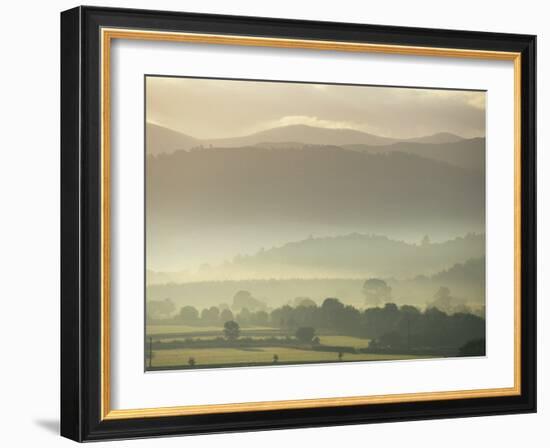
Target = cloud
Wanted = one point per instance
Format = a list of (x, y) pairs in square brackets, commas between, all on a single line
[(308, 120), (212, 108)]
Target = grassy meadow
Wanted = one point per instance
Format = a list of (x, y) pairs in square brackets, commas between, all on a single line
[(178, 358), (331, 348)]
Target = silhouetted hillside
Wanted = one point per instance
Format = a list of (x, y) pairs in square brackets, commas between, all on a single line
[(365, 255), (161, 140), (271, 291), (471, 272), (466, 280), (354, 256), (440, 137), (467, 153), (304, 134), (329, 185)]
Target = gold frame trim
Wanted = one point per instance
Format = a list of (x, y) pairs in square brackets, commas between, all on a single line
[(107, 35)]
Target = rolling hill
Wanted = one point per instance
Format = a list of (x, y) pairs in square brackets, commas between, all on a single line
[(440, 137), (304, 134), (242, 198), (466, 281), (464, 153), (357, 255), (163, 140), (351, 256), (330, 185)]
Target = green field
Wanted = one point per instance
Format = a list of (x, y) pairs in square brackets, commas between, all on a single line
[(168, 333), (334, 341), (263, 355), (171, 358), (344, 341), (164, 329), (183, 331)]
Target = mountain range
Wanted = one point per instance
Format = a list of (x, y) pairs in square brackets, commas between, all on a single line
[(445, 147), (356, 255), (330, 185), (208, 200), (464, 153), (348, 256), (164, 140)]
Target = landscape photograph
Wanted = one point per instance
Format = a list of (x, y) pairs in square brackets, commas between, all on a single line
[(294, 223)]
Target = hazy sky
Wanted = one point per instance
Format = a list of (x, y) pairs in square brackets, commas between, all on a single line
[(209, 109)]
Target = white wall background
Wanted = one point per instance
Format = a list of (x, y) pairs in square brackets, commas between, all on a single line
[(29, 228)]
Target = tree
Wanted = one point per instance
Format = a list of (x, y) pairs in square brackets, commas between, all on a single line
[(444, 301), (376, 291), (393, 340), (149, 355), (210, 316), (191, 361), (260, 318), (244, 317), (331, 305), (305, 334), (188, 315), (231, 330), (474, 347), (160, 309), (377, 321), (226, 315), (243, 299), (304, 301), (425, 241), (333, 313), (409, 310), (282, 317)]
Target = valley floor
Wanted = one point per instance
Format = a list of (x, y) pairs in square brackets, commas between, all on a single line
[(332, 348)]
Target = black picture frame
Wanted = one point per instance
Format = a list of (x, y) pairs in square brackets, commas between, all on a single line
[(81, 224)]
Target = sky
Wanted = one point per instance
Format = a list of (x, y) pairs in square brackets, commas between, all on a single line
[(213, 108)]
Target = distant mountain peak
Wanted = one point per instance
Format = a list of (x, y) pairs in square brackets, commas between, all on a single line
[(163, 140), (304, 134), (308, 127), (438, 137)]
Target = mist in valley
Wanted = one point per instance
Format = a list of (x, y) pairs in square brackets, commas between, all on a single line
[(296, 203)]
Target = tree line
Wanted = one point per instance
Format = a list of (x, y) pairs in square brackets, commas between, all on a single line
[(389, 327)]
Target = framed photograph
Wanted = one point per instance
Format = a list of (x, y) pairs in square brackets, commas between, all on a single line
[(273, 223)]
